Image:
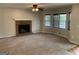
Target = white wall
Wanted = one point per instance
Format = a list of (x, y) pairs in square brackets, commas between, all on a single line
[(74, 31), (1, 21), (7, 24)]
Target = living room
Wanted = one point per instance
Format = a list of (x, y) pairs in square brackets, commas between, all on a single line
[(53, 24)]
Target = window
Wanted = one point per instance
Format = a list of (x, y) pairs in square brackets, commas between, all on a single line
[(59, 21), (47, 20), (62, 23), (56, 20)]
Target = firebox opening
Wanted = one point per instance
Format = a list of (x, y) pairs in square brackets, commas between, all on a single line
[(24, 28)]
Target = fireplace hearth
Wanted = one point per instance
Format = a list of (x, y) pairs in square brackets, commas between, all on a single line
[(23, 27)]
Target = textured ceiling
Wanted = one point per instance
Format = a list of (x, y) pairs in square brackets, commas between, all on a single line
[(29, 5)]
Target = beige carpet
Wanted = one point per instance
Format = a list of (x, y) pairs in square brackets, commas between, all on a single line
[(35, 44)]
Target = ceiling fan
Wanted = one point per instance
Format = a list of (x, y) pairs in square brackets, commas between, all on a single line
[(36, 8)]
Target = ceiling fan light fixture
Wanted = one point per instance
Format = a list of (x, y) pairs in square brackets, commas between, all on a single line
[(35, 8)]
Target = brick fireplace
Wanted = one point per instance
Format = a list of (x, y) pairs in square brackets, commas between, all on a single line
[(23, 27)]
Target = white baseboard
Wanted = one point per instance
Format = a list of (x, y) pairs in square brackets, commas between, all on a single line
[(74, 42), (56, 34), (5, 36)]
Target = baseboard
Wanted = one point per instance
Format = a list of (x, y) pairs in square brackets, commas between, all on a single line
[(61, 35), (76, 43), (56, 34), (6, 36)]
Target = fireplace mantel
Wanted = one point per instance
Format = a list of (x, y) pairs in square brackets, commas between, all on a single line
[(21, 19)]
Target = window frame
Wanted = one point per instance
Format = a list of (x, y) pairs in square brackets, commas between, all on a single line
[(44, 20), (54, 21), (69, 20), (67, 26), (65, 21), (59, 20)]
